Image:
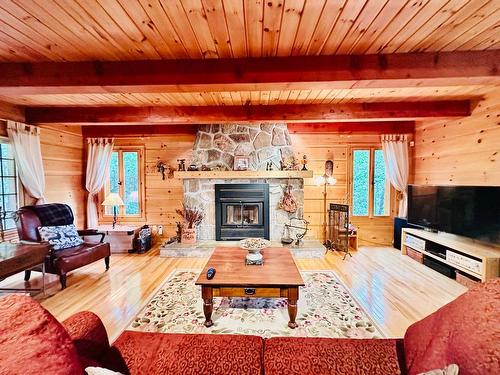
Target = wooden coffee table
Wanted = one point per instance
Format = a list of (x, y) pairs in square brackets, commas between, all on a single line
[(15, 258), (278, 277)]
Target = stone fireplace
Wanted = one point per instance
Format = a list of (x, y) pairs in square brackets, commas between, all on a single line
[(215, 147)]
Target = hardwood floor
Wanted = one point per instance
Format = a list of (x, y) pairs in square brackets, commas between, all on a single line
[(395, 290)]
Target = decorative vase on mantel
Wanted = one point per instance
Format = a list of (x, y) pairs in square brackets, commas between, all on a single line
[(188, 235)]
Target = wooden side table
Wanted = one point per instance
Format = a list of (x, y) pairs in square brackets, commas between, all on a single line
[(15, 258), (121, 237)]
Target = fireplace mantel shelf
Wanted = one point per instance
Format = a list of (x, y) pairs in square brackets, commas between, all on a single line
[(241, 174)]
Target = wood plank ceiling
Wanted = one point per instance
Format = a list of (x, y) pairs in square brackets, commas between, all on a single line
[(106, 30), (124, 30)]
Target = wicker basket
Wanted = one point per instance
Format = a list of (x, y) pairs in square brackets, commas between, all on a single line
[(415, 255), (465, 280)]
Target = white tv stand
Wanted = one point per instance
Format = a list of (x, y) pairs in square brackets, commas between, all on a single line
[(486, 264)]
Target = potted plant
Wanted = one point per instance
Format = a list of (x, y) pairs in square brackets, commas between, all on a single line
[(192, 218)]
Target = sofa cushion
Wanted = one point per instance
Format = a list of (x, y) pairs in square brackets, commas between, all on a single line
[(89, 336), (465, 331), (32, 341), (60, 236), (306, 355), (185, 354)]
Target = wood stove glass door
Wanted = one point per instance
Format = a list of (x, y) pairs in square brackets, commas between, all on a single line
[(242, 214)]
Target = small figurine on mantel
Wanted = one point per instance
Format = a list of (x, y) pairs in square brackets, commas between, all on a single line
[(182, 165), (289, 164), (304, 163), (192, 167)]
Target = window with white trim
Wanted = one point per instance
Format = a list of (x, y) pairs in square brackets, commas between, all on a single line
[(9, 190), (126, 178)]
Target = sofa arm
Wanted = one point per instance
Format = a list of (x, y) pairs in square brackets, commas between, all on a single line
[(92, 232), (88, 334)]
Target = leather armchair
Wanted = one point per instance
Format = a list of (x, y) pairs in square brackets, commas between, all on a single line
[(61, 262)]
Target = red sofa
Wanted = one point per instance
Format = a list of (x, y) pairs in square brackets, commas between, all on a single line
[(465, 332)]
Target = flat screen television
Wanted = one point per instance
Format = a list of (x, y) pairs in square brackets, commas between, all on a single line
[(471, 211)]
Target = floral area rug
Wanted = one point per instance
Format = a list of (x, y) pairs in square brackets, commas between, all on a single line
[(325, 309)]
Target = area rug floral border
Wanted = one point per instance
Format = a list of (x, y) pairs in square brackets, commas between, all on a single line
[(326, 308)]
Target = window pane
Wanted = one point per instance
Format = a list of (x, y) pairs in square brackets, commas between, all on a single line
[(9, 202), (360, 183), (6, 151), (380, 187), (8, 168), (114, 178), (113, 173), (8, 188), (9, 185), (131, 183)]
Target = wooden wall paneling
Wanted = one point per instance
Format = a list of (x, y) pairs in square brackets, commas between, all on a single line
[(164, 196), (64, 160), (462, 151), (321, 145)]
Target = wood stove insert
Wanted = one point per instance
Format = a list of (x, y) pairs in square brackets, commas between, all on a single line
[(242, 211)]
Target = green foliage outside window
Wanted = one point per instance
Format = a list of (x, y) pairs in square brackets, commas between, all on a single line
[(361, 183), (8, 187), (130, 184), (379, 184), (361, 177)]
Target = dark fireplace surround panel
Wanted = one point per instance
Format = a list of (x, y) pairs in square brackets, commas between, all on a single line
[(242, 211)]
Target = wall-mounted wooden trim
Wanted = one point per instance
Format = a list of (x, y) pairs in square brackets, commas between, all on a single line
[(272, 73), (387, 111)]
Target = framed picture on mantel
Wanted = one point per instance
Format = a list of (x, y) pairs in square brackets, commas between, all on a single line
[(241, 163)]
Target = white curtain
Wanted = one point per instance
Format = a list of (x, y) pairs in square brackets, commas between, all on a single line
[(98, 158), (25, 142), (395, 148)]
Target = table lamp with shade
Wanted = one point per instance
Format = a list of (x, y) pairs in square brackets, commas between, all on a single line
[(114, 200), (325, 180)]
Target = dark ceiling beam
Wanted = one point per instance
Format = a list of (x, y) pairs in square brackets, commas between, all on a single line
[(371, 127), (11, 112), (273, 73), (367, 127), (391, 111)]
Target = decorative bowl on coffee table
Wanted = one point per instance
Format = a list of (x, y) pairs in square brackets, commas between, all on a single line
[(254, 247)]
